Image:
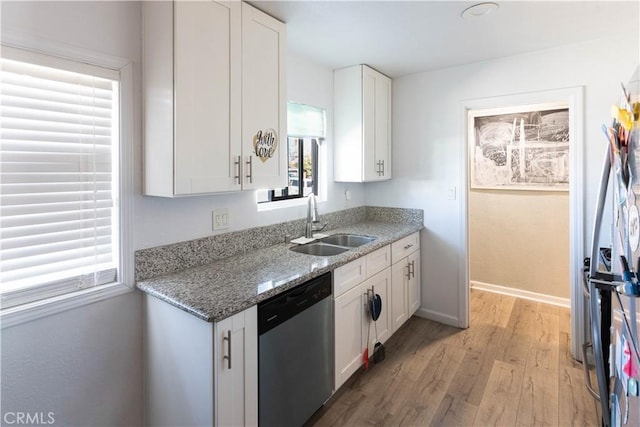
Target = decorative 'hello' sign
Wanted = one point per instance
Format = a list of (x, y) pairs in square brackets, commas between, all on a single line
[(265, 144)]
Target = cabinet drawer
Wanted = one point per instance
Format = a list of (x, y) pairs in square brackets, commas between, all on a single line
[(348, 276), (378, 260), (404, 247)]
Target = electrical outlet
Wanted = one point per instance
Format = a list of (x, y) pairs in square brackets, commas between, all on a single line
[(220, 219)]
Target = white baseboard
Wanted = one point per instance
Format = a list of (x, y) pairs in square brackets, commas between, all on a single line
[(438, 317), (533, 296)]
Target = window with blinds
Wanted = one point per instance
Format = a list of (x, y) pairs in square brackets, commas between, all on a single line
[(59, 136), (305, 131)]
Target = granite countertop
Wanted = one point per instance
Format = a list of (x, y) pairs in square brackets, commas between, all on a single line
[(224, 287)]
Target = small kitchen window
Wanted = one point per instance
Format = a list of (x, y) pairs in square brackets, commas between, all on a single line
[(62, 212), (306, 133)]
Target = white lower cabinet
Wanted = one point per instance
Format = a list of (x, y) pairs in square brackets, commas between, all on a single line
[(349, 309), (405, 279), (236, 369), (352, 287), (200, 373), (414, 283), (399, 309), (379, 284)]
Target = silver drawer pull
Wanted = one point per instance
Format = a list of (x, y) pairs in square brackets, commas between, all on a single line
[(237, 165), (408, 246), (250, 169), (228, 356)]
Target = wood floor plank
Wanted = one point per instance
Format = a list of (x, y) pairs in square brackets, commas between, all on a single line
[(512, 366), (428, 388), (490, 308), (454, 411), (517, 337), (576, 408), (539, 398), (565, 320), (471, 379), (500, 402)]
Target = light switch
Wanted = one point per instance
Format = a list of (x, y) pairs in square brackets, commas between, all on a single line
[(451, 193)]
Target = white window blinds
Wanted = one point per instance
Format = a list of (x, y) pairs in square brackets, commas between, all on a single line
[(305, 120), (58, 170)]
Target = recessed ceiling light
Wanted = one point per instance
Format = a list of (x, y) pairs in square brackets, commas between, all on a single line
[(479, 9)]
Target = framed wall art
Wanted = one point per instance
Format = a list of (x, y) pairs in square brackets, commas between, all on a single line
[(520, 148)]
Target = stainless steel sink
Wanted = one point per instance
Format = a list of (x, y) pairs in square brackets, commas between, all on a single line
[(319, 249), (348, 240), (333, 245)]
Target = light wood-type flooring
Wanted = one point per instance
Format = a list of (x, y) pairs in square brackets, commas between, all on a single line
[(512, 367)]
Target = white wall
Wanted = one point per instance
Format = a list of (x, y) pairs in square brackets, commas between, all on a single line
[(428, 138), (85, 365)]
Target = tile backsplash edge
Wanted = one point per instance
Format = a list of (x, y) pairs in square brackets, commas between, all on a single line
[(174, 257)]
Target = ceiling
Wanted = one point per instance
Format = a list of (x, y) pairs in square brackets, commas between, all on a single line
[(406, 37)]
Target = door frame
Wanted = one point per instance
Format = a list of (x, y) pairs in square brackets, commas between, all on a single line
[(574, 97)]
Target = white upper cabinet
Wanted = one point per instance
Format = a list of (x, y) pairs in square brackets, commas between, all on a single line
[(264, 107), (207, 128), (362, 123)]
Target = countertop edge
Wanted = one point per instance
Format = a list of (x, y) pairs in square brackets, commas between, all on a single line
[(153, 285)]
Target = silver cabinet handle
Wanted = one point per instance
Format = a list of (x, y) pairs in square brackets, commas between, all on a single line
[(413, 269), (237, 166), (250, 169), (408, 270), (408, 246), (380, 165), (228, 356), (382, 168)]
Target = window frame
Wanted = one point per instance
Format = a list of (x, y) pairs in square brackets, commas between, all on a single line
[(314, 171), (53, 52)]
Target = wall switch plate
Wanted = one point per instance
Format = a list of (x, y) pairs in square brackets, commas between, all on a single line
[(451, 193), (220, 219)]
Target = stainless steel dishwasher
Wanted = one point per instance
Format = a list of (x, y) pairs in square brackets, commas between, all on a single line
[(295, 354)]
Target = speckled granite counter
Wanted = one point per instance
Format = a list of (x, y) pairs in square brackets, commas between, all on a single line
[(223, 287)]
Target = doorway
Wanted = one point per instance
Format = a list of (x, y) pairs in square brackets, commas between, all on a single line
[(573, 98)]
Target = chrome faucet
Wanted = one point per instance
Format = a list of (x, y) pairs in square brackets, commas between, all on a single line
[(313, 223)]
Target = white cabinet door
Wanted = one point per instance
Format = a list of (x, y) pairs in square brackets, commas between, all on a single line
[(379, 284), (206, 96), (399, 302), (349, 311), (362, 128), (236, 369), (192, 97), (264, 126), (414, 282), (376, 104)]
